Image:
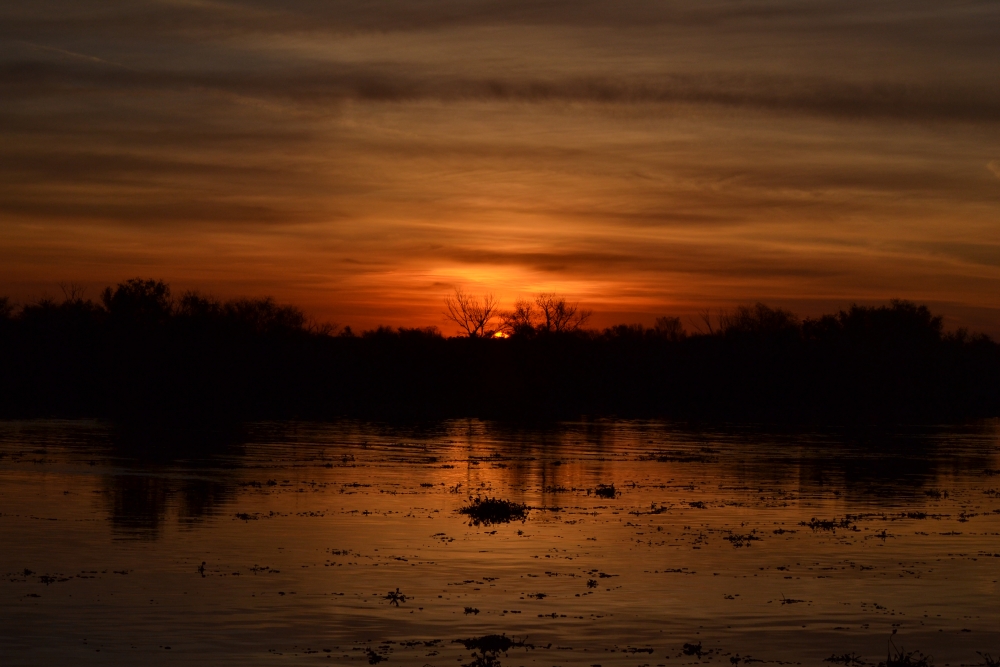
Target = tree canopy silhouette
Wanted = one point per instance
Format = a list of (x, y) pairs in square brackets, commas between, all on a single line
[(142, 357)]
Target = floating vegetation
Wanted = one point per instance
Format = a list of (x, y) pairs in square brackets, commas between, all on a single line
[(492, 643), (488, 511), (489, 647), (483, 660), (693, 649), (738, 540), (828, 524), (373, 657), (395, 597), (845, 659), (606, 491)]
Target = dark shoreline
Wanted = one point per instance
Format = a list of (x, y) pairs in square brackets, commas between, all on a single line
[(151, 363)]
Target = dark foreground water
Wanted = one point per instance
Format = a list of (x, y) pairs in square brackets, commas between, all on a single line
[(719, 546)]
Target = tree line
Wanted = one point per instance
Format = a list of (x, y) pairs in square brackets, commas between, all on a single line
[(144, 358)]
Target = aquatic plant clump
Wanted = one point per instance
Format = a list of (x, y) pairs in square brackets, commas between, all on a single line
[(898, 657), (693, 649), (606, 491), (491, 643), (487, 511), (395, 597)]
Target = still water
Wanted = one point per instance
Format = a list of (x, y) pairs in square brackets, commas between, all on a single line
[(717, 546)]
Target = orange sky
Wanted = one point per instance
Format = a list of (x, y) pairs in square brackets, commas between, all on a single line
[(363, 158)]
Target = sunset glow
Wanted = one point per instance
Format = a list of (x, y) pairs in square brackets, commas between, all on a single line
[(363, 160)]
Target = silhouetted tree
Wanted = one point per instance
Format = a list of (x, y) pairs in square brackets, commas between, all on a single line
[(704, 318), (265, 316), (139, 302), (194, 305), (473, 315), (521, 321), (557, 316), (72, 291), (757, 319), (669, 329), (634, 332)]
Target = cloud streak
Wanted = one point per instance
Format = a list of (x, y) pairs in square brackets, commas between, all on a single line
[(881, 100)]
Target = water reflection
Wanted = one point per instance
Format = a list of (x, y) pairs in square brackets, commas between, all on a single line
[(151, 475), (785, 545), (136, 504), (193, 476)]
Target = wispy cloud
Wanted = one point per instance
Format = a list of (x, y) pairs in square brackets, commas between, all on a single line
[(311, 85)]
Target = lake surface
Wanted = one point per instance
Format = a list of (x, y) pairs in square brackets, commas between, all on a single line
[(723, 546)]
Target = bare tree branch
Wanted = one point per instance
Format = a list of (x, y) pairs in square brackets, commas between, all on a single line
[(473, 315), (558, 316), (72, 291), (669, 328)]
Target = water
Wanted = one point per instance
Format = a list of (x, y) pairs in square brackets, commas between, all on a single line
[(281, 549)]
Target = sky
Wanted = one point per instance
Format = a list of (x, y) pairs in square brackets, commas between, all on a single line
[(364, 158)]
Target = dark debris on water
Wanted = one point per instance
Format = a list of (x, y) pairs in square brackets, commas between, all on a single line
[(488, 511)]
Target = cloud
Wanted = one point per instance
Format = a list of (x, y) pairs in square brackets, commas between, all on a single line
[(338, 82), (994, 166), (271, 16)]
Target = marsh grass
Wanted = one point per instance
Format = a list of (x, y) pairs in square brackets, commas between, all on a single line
[(899, 657)]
